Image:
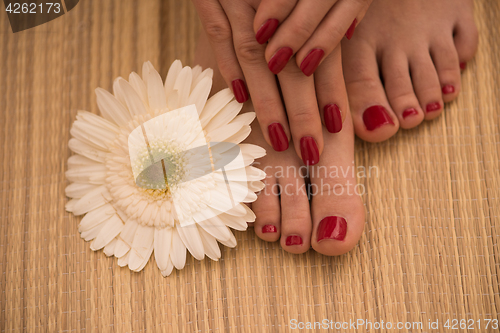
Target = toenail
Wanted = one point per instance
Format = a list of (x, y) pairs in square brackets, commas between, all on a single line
[(240, 90), (350, 31), (268, 228), (431, 107), (376, 116), (266, 30), (463, 65), (332, 227), (448, 89), (311, 61), (278, 137), (309, 150), (333, 118), (280, 59), (409, 112), (293, 240)]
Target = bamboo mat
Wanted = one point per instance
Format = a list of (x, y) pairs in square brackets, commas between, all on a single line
[(429, 251)]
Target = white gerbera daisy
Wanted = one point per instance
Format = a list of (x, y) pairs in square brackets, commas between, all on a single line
[(130, 220)]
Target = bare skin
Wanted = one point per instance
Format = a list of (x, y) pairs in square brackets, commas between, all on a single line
[(419, 49)]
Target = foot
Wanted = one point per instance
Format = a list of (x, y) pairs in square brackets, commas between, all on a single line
[(332, 222), (404, 61)]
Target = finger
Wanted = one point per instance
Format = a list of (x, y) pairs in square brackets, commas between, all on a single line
[(295, 31), (331, 91), (218, 31), (261, 83), (302, 109), (269, 14), (339, 22)]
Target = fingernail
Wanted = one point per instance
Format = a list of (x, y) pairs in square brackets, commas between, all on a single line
[(448, 89), (240, 90), (350, 31), (293, 240), (333, 118), (375, 117), (311, 61), (409, 112), (280, 59), (431, 107), (268, 228), (332, 227), (278, 137), (309, 150), (463, 65), (266, 30)]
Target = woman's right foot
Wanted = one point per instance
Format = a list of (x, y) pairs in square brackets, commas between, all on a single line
[(404, 61)]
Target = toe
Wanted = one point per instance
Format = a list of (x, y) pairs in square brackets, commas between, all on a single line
[(373, 119), (295, 217), (426, 84), (267, 211), (337, 211), (445, 58), (466, 39), (399, 89)]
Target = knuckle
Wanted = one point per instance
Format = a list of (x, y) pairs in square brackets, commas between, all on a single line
[(302, 115), (249, 51), (218, 31), (303, 29)]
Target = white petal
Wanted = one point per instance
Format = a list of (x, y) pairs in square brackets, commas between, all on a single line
[(215, 227), (200, 93), (223, 133), (156, 92), (183, 85), (140, 88), (224, 117), (92, 233), (70, 205), (244, 119), (252, 150), (111, 109), (121, 248), (242, 134), (231, 242), (84, 149), (79, 160), (250, 215), (162, 246), (209, 72), (123, 261), (214, 105), (77, 190), (112, 227), (98, 121), (93, 174), (178, 251), (148, 255), (191, 238), (195, 74), (109, 249), (96, 217), (173, 72), (143, 241), (256, 186), (210, 245), (235, 222), (96, 198), (132, 99), (169, 268)]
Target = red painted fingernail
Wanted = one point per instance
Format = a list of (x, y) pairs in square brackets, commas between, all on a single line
[(266, 30), (309, 150), (350, 31), (240, 90), (332, 227), (311, 61), (448, 89), (431, 107), (268, 228), (463, 65), (293, 240), (409, 112), (333, 118), (280, 59), (278, 137), (375, 117)]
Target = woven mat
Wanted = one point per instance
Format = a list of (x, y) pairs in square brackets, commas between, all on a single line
[(429, 251)]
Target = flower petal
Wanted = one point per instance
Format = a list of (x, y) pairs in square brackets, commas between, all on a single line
[(178, 251), (214, 105), (183, 85), (77, 190), (109, 249), (172, 74), (139, 86), (162, 246), (84, 149), (131, 98), (156, 92), (231, 242), (224, 116), (96, 217), (96, 198), (191, 238), (168, 270), (112, 228), (140, 251), (200, 94), (252, 150), (111, 109), (210, 245)]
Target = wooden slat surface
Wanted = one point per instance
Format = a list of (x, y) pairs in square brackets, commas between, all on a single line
[(429, 252)]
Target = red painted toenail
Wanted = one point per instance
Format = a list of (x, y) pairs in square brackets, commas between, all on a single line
[(266, 30), (463, 65), (280, 59), (376, 116), (333, 118), (350, 31), (409, 112), (240, 90), (311, 61), (309, 150), (448, 89), (332, 227), (431, 107), (268, 228), (278, 138), (293, 240)]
